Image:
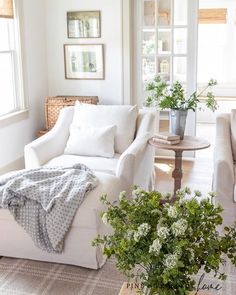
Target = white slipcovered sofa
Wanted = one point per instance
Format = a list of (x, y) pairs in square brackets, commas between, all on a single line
[(224, 177), (133, 166)]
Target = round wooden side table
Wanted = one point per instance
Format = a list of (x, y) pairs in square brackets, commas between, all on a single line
[(189, 143)]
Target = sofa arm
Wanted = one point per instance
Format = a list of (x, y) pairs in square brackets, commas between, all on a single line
[(223, 178), (50, 145), (127, 162)]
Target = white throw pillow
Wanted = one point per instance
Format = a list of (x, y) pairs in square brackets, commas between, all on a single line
[(122, 116), (91, 141), (233, 132)]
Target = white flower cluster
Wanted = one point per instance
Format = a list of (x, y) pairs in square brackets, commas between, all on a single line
[(171, 260), (137, 192), (155, 247), (182, 201), (192, 254), (105, 218), (172, 212), (163, 232), (142, 231), (122, 195), (130, 234), (179, 227)]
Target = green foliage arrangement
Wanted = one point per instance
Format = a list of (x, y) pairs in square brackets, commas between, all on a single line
[(166, 97), (164, 245)]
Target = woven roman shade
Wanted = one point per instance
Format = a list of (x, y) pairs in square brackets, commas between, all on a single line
[(6, 9), (212, 16)]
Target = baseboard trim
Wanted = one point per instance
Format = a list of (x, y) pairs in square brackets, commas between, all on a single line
[(15, 165)]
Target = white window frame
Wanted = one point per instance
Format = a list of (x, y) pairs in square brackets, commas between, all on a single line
[(191, 55), (20, 101)]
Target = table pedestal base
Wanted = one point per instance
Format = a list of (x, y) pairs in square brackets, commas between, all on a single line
[(177, 173)]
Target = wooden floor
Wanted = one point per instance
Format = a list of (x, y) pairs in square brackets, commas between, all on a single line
[(197, 173)]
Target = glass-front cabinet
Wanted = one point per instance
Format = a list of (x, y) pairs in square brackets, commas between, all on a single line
[(162, 39)]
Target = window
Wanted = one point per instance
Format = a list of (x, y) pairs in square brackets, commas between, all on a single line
[(217, 45), (11, 86)]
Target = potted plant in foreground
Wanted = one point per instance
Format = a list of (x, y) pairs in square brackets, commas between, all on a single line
[(174, 98), (163, 246)]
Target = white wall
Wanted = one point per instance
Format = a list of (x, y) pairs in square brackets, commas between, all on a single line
[(14, 136), (109, 90), (44, 33)]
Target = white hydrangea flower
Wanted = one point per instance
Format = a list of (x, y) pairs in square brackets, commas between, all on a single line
[(155, 247), (172, 212), (122, 195), (137, 236), (181, 193), (163, 232), (105, 218), (130, 234), (182, 201), (171, 260), (137, 192), (142, 231), (192, 254), (179, 227)]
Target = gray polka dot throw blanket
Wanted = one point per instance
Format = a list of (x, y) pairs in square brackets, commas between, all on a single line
[(44, 200)]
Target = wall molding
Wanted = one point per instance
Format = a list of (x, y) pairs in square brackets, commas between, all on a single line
[(15, 165), (126, 12)]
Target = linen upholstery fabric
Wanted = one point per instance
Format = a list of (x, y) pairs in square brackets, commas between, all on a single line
[(134, 166), (233, 132), (91, 141), (101, 164), (44, 201), (224, 167), (87, 224), (122, 116)]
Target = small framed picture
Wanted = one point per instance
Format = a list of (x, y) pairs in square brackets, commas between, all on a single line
[(84, 24), (84, 61)]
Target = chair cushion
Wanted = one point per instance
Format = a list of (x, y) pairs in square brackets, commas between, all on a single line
[(233, 133), (122, 116), (91, 141), (107, 165)]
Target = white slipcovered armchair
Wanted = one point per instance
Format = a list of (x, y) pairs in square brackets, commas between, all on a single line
[(224, 176), (133, 166)]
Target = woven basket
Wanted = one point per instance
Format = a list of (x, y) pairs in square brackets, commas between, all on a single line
[(53, 105)]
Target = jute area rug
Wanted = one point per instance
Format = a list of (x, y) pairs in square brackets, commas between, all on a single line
[(26, 277)]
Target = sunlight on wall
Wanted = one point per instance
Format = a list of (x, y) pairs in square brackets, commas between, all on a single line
[(217, 46)]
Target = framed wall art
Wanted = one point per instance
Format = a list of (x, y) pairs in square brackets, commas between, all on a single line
[(84, 61), (84, 24)]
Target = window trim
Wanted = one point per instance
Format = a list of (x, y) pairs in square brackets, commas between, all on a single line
[(13, 117), (20, 98)]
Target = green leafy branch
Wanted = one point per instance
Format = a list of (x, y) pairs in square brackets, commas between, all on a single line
[(165, 97)]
